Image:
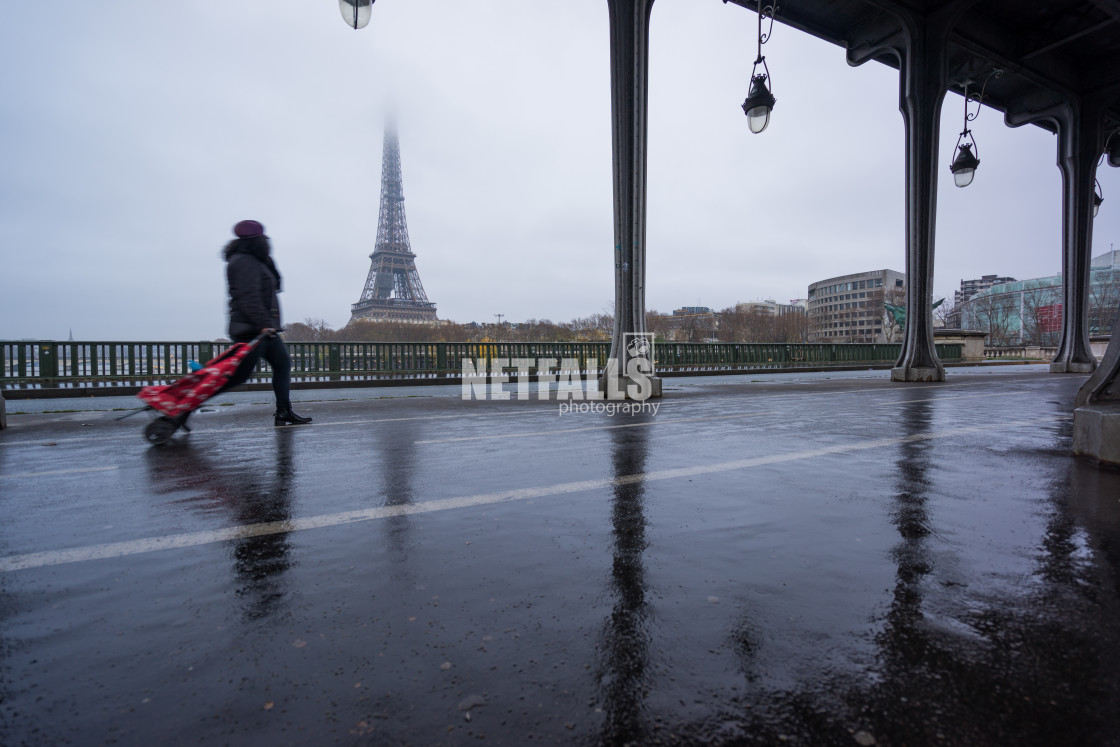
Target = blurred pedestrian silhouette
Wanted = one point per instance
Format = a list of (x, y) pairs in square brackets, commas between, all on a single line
[(254, 309)]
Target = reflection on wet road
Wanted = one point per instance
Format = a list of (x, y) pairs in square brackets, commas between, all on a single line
[(829, 561), (623, 676)]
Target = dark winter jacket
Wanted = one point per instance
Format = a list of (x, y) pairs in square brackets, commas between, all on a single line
[(253, 285)]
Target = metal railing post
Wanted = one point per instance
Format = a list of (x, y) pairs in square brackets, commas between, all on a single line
[(334, 359), (48, 360)]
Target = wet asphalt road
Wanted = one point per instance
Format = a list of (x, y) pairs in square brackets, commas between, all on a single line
[(814, 560)]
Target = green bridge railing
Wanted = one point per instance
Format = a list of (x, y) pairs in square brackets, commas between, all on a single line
[(44, 364)]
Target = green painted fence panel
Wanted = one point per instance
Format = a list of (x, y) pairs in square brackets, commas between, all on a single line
[(50, 363)]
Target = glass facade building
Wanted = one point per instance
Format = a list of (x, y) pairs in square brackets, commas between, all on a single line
[(1029, 312)]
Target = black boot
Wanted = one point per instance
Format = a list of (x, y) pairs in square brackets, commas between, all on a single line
[(286, 416)]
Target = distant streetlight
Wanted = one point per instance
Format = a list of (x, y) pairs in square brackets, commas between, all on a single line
[(1112, 147), (968, 153), (356, 13), (760, 101)]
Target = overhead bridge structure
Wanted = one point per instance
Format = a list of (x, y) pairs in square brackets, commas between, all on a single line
[(1059, 63)]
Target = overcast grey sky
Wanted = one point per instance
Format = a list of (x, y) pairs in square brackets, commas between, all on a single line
[(133, 135)]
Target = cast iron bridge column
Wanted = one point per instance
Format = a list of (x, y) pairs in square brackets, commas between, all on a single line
[(1080, 140), (629, 29), (1081, 136), (920, 44), (1096, 417)]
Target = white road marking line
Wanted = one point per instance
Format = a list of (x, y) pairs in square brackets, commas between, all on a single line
[(662, 421), (50, 473), (153, 544)]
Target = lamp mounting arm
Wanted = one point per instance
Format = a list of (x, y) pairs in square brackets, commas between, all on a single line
[(1106, 152), (764, 11), (977, 98), (768, 11)]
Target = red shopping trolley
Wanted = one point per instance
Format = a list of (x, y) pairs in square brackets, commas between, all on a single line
[(175, 402)]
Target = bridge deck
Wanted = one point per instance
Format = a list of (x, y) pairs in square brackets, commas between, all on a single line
[(810, 556)]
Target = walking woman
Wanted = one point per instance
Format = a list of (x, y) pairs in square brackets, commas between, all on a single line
[(254, 310)]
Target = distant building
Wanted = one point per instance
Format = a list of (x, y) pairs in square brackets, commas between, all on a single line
[(849, 308), (692, 311), (773, 308), (1109, 260), (970, 288), (1030, 311)]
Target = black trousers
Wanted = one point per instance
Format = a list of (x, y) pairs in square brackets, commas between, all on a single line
[(273, 350)]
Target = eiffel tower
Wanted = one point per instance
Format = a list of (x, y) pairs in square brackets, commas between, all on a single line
[(393, 292)]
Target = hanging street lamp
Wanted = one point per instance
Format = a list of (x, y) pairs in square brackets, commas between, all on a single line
[(964, 165), (968, 153), (1112, 148), (758, 104), (760, 101), (356, 13), (1112, 154)]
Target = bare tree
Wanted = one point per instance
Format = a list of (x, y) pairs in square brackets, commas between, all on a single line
[(815, 324), (696, 327), (663, 327), (594, 328), (368, 330), (309, 330), (892, 330), (1104, 301), (792, 326), (759, 326), (1040, 316), (993, 315), (731, 325), (737, 324), (945, 314), (298, 332)]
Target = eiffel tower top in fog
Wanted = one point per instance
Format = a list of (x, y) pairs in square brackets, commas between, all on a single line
[(393, 291)]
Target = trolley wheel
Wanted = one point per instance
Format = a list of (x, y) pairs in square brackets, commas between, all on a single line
[(160, 430)]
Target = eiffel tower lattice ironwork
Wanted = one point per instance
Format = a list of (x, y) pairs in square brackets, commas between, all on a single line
[(393, 291)]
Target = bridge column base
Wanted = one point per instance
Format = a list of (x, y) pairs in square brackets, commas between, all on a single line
[(908, 373), (1096, 433), (1071, 367), (621, 383)]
